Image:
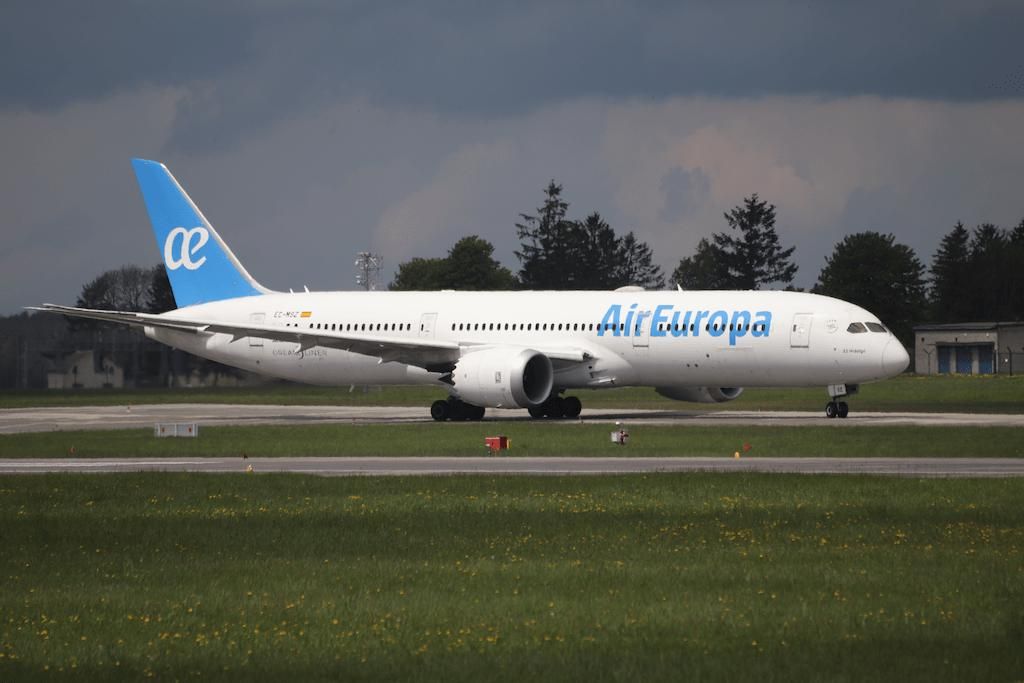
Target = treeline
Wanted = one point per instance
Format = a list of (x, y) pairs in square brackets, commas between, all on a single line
[(974, 275)]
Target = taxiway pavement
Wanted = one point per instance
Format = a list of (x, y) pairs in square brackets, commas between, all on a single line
[(18, 420), (334, 466)]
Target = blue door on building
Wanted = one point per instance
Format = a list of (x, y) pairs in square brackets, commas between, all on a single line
[(944, 352), (963, 360), (985, 359)]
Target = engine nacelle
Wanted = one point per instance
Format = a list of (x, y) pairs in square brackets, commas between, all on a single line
[(504, 378), (701, 394)]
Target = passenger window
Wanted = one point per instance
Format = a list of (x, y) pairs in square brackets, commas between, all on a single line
[(875, 327), (856, 328)]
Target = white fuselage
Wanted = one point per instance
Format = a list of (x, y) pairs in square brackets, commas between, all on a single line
[(647, 338)]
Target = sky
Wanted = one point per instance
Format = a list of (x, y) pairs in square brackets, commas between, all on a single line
[(308, 131)]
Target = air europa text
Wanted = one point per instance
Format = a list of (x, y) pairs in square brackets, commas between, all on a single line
[(666, 321)]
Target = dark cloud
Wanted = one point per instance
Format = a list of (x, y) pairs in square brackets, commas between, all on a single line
[(267, 59)]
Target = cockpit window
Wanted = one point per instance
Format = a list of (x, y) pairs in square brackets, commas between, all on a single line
[(876, 327), (856, 328)]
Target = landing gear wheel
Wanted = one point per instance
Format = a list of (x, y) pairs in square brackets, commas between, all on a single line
[(831, 409), (555, 407), (536, 412), (843, 409), (439, 410), (475, 413), (572, 406)]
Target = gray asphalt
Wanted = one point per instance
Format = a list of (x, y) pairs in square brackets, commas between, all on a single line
[(19, 420), (905, 467)]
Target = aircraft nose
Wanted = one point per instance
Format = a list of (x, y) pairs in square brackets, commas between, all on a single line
[(894, 358)]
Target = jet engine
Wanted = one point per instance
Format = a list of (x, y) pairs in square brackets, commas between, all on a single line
[(700, 394), (503, 378)]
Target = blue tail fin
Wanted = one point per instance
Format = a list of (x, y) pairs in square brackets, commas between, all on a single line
[(199, 264)]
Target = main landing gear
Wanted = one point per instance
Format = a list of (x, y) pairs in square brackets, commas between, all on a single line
[(454, 409), (557, 407), (836, 408)]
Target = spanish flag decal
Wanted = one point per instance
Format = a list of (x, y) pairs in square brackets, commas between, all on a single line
[(306, 314)]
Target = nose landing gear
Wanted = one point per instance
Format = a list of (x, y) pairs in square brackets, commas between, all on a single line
[(836, 408)]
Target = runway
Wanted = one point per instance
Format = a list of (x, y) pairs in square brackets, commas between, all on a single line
[(19, 420), (426, 466)]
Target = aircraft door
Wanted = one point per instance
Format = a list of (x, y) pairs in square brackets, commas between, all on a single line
[(427, 321), (800, 334), (640, 334), (256, 319)]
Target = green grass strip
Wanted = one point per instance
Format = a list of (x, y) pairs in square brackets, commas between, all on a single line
[(668, 577), (528, 439)]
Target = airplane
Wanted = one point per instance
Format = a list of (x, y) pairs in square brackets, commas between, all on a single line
[(509, 349)]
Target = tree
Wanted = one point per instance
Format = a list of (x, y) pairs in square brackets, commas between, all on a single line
[(992, 273), (875, 272), (549, 243), (977, 276), (706, 269), (419, 274), (634, 266), (951, 277), (1015, 254), (559, 253), (745, 261), (754, 257), (122, 289), (598, 249), (468, 266), (159, 296)]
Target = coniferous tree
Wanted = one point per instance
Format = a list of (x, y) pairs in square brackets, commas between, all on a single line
[(747, 260), (634, 265), (755, 257), (598, 253), (549, 243), (951, 276), (991, 274), (1016, 272), (559, 253)]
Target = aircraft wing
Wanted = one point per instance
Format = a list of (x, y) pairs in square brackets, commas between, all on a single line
[(431, 354)]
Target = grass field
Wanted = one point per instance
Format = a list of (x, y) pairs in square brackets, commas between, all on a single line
[(946, 393), (528, 439), (669, 577)]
